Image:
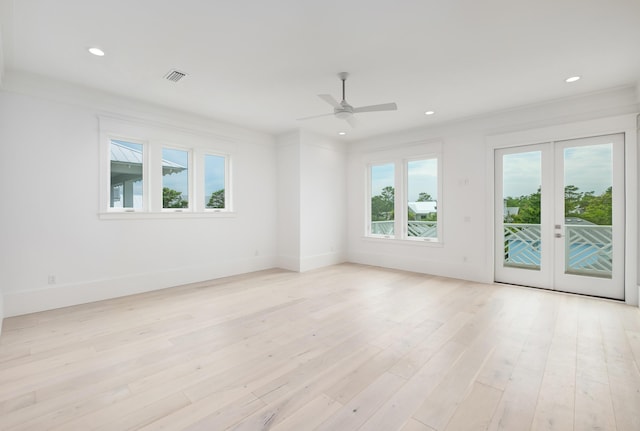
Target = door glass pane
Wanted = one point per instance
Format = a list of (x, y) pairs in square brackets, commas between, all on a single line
[(126, 175), (422, 198), (382, 199), (175, 178), (588, 186), (522, 178)]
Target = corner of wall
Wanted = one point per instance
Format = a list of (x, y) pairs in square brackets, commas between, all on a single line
[(290, 263), (1, 310)]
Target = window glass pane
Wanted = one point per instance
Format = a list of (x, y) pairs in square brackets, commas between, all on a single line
[(175, 178), (214, 177), (382, 199), (422, 198), (126, 168)]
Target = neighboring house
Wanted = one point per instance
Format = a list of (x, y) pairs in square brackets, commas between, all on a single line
[(126, 171), (422, 210)]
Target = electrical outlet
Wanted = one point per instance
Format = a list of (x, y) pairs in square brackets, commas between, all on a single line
[(51, 279)]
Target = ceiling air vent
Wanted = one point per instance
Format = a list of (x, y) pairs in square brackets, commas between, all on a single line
[(175, 75)]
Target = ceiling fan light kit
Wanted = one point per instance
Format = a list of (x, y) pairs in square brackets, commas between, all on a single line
[(344, 111)]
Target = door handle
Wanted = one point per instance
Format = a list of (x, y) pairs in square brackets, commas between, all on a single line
[(558, 235)]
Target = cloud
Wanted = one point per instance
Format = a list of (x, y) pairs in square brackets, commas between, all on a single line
[(587, 167)]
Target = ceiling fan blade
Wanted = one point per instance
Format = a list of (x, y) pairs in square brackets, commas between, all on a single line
[(352, 121), (314, 116), (329, 99), (373, 108)]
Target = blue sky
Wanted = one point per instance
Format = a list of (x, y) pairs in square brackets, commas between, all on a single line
[(178, 181), (422, 177), (587, 167)]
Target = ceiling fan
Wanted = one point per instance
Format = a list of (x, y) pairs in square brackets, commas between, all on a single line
[(344, 111)]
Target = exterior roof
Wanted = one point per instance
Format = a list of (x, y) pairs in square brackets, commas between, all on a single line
[(423, 207), (122, 154)]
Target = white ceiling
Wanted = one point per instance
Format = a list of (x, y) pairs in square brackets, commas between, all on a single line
[(261, 64)]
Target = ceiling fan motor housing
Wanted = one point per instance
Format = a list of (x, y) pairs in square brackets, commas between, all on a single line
[(343, 111)]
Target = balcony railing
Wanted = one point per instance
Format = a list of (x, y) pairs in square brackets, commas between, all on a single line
[(588, 248), (418, 229)]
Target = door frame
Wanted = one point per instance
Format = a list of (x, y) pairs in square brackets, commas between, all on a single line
[(625, 124)]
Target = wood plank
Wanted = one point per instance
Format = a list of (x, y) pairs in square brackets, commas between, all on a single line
[(476, 410), (517, 405), (311, 415), (414, 425), (282, 350), (394, 413), (287, 394), (438, 408), (556, 401), (365, 404)]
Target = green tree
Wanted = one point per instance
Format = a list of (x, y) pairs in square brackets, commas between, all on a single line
[(529, 208), (572, 200), (424, 197), (597, 209), (382, 205), (584, 205), (216, 200), (173, 199)]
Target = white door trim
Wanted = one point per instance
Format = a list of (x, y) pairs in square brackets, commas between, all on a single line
[(626, 124)]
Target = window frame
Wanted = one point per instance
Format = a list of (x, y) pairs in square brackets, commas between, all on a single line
[(405, 205), (400, 159), (190, 177), (145, 175), (369, 197), (154, 139), (227, 182)]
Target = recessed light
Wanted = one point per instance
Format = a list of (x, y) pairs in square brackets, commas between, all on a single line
[(429, 112), (342, 133), (96, 51), (572, 79)]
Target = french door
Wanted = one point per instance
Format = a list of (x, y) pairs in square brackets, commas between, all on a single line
[(560, 216)]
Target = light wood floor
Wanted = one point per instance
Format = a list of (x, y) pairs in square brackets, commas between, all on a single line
[(347, 347)]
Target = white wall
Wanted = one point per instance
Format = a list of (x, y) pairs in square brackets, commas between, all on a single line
[(311, 201), (299, 201), (49, 176), (467, 251), (1, 309), (288, 165), (461, 254), (323, 202)]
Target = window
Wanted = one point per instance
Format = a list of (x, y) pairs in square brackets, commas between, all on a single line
[(382, 194), (175, 178), (214, 182), (422, 199), (164, 172), (126, 179), (404, 199)]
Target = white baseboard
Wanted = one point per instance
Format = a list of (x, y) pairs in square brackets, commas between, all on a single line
[(65, 295), (290, 263), (1, 310), (308, 263), (464, 271)]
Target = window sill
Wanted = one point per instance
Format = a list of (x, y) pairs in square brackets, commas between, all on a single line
[(410, 242), (140, 215)]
